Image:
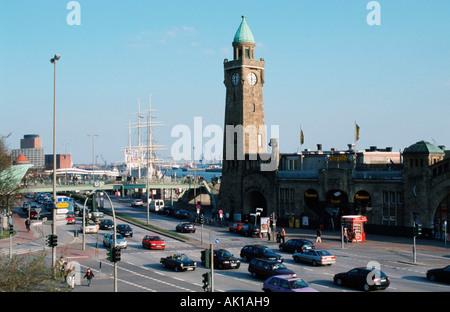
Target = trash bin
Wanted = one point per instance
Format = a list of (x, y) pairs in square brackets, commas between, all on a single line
[(297, 223)]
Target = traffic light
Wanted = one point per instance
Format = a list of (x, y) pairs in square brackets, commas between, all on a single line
[(110, 255), (116, 254), (202, 218), (52, 240), (417, 229), (206, 281), (11, 229)]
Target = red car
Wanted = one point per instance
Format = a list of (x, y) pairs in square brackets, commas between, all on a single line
[(235, 227), (70, 218), (153, 242), (33, 214)]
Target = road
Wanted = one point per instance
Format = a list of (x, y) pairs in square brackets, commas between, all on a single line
[(140, 269)]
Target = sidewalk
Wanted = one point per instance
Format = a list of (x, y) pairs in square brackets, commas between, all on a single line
[(22, 235)]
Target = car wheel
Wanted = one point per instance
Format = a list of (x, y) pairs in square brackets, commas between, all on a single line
[(296, 259), (177, 269), (314, 263), (253, 274), (338, 282), (366, 287), (431, 277)]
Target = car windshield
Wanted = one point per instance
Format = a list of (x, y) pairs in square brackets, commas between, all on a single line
[(267, 250), (181, 257), (278, 266), (119, 236), (225, 253), (296, 284), (154, 238)]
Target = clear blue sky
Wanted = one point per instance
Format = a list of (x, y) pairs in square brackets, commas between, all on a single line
[(325, 69)]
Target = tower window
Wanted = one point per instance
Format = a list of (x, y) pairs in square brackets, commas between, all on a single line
[(247, 53), (253, 107)]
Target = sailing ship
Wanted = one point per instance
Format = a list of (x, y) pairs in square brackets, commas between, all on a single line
[(141, 158)]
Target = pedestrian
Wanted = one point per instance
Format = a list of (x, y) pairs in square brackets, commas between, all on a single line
[(278, 236), (283, 234), (345, 235), (27, 224), (319, 235), (71, 277), (89, 275), (268, 233)]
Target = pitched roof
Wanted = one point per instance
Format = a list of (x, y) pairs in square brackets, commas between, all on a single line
[(21, 159), (244, 34), (423, 147)]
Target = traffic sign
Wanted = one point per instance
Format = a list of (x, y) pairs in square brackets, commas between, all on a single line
[(62, 199), (217, 241), (62, 205)]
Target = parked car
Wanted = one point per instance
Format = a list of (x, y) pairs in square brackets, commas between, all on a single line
[(223, 259), (179, 262), (153, 242), (106, 224), (125, 230), (70, 218), (185, 227), (286, 283), (365, 278), (33, 214), (265, 268), (315, 257), (90, 227), (137, 203), (181, 214), (441, 275), (296, 245), (235, 227), (108, 240), (257, 251), (249, 230)]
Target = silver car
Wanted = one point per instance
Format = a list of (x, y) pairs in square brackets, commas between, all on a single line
[(315, 257), (108, 240)]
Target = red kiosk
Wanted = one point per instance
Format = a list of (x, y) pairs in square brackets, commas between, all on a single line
[(355, 227)]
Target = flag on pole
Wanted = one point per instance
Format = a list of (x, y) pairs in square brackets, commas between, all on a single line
[(356, 132), (302, 138)]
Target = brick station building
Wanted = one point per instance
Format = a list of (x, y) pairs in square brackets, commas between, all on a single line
[(393, 189)]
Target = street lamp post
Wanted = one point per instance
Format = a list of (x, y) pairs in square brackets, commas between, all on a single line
[(93, 157), (53, 61)]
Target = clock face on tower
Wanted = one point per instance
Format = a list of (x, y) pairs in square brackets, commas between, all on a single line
[(235, 79), (251, 78)]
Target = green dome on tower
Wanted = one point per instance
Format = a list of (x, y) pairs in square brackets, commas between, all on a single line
[(244, 34)]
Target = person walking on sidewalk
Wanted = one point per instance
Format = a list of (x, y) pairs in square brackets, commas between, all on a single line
[(283, 234), (319, 235), (27, 224), (268, 233), (71, 277), (89, 275)]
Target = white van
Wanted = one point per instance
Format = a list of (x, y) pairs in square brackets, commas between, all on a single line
[(156, 205)]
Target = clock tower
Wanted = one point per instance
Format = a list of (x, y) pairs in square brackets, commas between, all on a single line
[(244, 110), (244, 184)]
